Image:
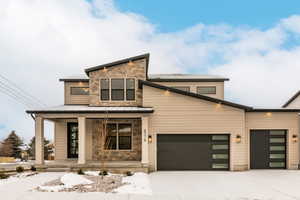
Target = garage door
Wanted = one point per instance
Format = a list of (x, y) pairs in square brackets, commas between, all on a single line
[(268, 149), (192, 152)]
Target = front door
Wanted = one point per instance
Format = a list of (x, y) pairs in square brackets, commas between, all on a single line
[(268, 149), (73, 140)]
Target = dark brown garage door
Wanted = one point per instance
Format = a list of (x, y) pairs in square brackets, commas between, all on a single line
[(267, 149), (192, 152)]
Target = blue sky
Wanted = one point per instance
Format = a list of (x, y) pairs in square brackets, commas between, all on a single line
[(174, 15)]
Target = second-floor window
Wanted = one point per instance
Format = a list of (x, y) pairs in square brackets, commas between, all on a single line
[(79, 91), (183, 88), (117, 89), (206, 90), (104, 89)]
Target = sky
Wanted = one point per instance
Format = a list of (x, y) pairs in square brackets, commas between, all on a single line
[(254, 44)]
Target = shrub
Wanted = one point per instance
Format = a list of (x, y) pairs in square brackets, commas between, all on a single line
[(80, 172), (103, 173), (33, 168), (129, 173), (3, 175), (20, 169)]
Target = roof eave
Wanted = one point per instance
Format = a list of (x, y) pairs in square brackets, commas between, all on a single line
[(188, 80), (273, 110), (211, 99), (85, 111), (73, 80), (118, 62), (291, 99)]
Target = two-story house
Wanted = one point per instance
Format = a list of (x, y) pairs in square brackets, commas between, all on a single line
[(131, 119)]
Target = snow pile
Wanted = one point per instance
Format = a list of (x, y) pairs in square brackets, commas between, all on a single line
[(71, 179), (137, 184), (67, 181)]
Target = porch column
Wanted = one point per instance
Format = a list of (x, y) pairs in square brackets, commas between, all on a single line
[(145, 150), (39, 140), (81, 140)]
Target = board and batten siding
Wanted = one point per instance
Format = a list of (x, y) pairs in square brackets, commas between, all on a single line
[(193, 87), (75, 99), (277, 120), (179, 114)]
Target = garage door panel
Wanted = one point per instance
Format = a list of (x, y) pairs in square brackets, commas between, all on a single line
[(192, 152)]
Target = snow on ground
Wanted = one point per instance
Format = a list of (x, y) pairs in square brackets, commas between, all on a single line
[(136, 184), (69, 180), (248, 185)]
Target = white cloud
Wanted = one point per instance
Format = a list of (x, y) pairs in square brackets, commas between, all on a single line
[(42, 41)]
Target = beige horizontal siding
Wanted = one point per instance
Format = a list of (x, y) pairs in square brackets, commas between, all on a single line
[(278, 120), (179, 114), (193, 87), (76, 99), (60, 140)]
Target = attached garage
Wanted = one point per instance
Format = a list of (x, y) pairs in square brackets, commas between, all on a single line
[(192, 152), (268, 149)]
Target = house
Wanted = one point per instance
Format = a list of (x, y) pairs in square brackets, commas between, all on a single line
[(128, 118)]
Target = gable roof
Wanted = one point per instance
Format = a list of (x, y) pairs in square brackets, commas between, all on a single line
[(118, 62), (190, 94), (185, 78), (291, 99)]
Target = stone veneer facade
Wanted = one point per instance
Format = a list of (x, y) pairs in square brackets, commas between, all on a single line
[(117, 155), (136, 70)]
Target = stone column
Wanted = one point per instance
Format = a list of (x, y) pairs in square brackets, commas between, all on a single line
[(145, 133), (81, 140), (39, 140)]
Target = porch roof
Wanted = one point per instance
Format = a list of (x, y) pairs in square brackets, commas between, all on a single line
[(90, 109)]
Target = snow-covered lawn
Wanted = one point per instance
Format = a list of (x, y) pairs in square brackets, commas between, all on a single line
[(249, 185)]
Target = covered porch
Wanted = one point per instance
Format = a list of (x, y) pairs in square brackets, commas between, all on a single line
[(78, 137)]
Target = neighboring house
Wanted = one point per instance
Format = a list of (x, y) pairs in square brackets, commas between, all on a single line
[(293, 102), (164, 122)]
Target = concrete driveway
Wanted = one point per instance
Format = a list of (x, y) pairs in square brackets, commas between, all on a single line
[(254, 185)]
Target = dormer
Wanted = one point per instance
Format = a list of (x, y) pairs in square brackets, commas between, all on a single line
[(116, 83), (208, 85)]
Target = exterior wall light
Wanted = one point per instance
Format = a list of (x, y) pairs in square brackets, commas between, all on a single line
[(295, 138), (238, 138), (150, 139), (269, 114), (219, 105), (104, 70)]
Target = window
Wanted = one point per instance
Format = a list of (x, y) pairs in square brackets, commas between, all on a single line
[(79, 91), (117, 89), (130, 89), (104, 89), (206, 90), (183, 88), (72, 143), (119, 136)]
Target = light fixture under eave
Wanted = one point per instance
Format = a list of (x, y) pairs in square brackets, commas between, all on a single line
[(269, 114), (130, 63), (219, 105), (104, 69), (167, 93)]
